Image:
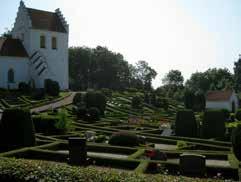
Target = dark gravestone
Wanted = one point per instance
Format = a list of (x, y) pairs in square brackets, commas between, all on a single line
[(192, 164), (77, 151)]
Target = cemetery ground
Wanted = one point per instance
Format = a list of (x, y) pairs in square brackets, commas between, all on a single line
[(159, 158)]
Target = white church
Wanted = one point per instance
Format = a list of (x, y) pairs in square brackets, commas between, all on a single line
[(38, 50)]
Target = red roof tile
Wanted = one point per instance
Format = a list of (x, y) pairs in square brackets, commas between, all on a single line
[(44, 20), (12, 47), (219, 95)]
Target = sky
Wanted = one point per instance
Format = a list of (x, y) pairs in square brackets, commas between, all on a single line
[(188, 35)]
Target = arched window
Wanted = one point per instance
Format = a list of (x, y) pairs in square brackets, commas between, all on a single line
[(10, 76)]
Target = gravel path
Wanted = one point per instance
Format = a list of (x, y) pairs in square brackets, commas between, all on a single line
[(209, 162), (99, 154), (66, 101)]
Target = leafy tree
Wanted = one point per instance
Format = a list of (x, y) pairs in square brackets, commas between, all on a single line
[(143, 74), (7, 33), (212, 79), (173, 77), (97, 68), (237, 75)]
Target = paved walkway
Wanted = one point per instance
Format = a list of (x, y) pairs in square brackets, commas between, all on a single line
[(66, 101)]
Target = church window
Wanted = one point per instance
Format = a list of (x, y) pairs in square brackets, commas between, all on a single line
[(42, 41), (54, 43), (10, 76)]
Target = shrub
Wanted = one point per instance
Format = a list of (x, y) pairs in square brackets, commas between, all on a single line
[(124, 139), (23, 87), (95, 99), (137, 102), (38, 94), (93, 114), (226, 113), (181, 145), (186, 124), (153, 99), (16, 128), (77, 99), (147, 98), (63, 123), (45, 123), (107, 92), (238, 114), (236, 141), (51, 87), (81, 112), (213, 124), (162, 103)]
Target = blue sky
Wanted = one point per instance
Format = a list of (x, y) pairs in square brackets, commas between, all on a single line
[(189, 35)]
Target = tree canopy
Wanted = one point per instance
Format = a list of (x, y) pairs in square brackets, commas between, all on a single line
[(101, 68)]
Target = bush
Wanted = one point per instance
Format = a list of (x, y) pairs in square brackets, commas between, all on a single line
[(93, 114), (137, 102), (38, 94), (186, 124), (81, 112), (236, 141), (124, 139), (162, 103), (146, 98), (226, 114), (95, 99), (63, 123), (77, 99), (213, 124), (23, 87), (238, 115), (45, 123), (16, 128), (107, 92), (51, 87)]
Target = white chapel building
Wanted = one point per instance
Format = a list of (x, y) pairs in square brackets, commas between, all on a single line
[(38, 50)]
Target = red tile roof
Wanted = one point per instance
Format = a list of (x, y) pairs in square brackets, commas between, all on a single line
[(219, 95), (12, 47), (44, 20)]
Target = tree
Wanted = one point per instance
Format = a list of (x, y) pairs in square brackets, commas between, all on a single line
[(7, 33), (237, 75), (173, 77), (212, 79), (143, 74), (98, 68)]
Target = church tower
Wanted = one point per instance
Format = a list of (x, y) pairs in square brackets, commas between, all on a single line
[(45, 37)]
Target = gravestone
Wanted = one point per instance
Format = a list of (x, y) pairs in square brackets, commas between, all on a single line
[(77, 151), (192, 164)]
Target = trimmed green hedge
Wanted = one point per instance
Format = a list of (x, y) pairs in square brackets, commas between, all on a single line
[(16, 129), (186, 124), (28, 170), (213, 124), (236, 142), (45, 124)]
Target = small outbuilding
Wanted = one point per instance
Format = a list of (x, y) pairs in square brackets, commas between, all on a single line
[(223, 99)]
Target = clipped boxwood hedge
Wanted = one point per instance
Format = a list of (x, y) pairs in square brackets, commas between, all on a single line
[(213, 124), (16, 129), (45, 124), (186, 124), (124, 138), (29, 170)]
